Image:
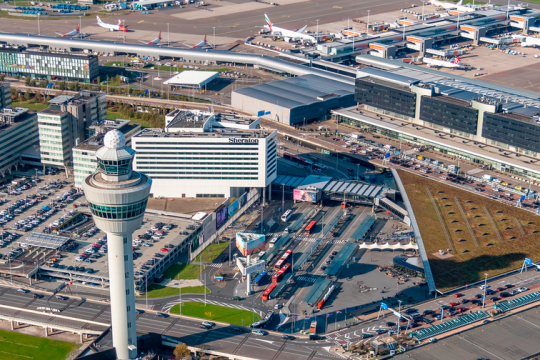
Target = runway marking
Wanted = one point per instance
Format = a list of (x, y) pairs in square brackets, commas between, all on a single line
[(140, 21), (337, 7)]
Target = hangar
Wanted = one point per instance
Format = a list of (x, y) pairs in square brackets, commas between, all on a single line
[(295, 100)]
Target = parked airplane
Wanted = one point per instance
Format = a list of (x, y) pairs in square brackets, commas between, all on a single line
[(442, 63), (71, 33), (153, 42), (199, 45), (111, 27), (445, 4), (288, 35)]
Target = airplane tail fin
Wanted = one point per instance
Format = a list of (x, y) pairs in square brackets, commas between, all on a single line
[(456, 61), (98, 19), (78, 28), (159, 37), (268, 21), (119, 21), (459, 3), (205, 38)]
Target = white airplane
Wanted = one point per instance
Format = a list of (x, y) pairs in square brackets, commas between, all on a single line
[(198, 45), (71, 33), (153, 42), (111, 27), (441, 63), (288, 34), (445, 4)]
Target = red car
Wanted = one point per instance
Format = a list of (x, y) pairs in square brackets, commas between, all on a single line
[(458, 295), (454, 304), (84, 255), (460, 310), (164, 250)]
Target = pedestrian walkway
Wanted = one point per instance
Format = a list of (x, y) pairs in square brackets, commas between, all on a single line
[(307, 278), (450, 325), (524, 300), (216, 265)]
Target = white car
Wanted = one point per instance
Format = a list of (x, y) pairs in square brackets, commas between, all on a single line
[(156, 237), (523, 289), (78, 258), (258, 332), (484, 287)]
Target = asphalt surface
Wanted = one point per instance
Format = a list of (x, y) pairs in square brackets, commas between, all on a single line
[(235, 25)]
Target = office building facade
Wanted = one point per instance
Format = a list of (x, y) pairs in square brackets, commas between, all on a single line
[(68, 122), (48, 65), (5, 95), (190, 159), (18, 132)]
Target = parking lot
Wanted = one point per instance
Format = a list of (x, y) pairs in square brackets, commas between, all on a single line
[(48, 223)]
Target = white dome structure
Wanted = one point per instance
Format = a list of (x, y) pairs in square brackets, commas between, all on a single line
[(114, 139)]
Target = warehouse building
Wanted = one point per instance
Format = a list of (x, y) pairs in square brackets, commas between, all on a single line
[(190, 158), (192, 79), (296, 100), (473, 120)]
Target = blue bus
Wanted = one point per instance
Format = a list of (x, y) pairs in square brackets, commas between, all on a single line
[(259, 279)]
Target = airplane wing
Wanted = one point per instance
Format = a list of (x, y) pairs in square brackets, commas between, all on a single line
[(59, 34), (144, 42), (301, 30)]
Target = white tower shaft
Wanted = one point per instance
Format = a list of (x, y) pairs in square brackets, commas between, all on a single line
[(123, 315)]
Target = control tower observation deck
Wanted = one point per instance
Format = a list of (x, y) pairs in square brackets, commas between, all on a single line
[(117, 197)]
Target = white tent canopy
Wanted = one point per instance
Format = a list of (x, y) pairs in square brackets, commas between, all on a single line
[(192, 79)]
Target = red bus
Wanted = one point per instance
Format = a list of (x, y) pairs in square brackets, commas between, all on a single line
[(293, 158), (277, 276), (310, 227), (266, 293), (282, 260)]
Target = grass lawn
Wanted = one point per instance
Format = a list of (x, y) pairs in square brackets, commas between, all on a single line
[(30, 105), (217, 313), (499, 239), (211, 252), (114, 115), (157, 291), (180, 69), (15, 346), (183, 272), (112, 63)]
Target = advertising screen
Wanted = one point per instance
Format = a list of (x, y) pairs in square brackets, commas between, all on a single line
[(221, 216), (305, 195), (249, 243), (242, 200), (233, 208)]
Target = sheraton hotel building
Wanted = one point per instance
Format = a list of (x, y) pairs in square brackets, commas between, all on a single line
[(474, 120)]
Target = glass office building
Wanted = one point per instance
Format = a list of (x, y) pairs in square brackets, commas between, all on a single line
[(49, 65)]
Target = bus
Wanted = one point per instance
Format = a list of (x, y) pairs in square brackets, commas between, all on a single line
[(268, 291), (286, 215), (277, 276), (310, 227), (259, 279), (294, 158), (274, 240), (282, 260)]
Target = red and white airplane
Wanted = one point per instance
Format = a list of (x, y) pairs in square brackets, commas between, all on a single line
[(153, 42), (71, 33), (199, 45), (111, 27), (441, 63)]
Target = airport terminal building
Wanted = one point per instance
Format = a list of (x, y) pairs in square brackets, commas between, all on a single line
[(465, 118), (206, 155)]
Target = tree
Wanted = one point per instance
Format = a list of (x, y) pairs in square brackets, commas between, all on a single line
[(27, 81), (47, 98), (27, 96), (181, 350), (43, 83), (37, 98), (2, 77)]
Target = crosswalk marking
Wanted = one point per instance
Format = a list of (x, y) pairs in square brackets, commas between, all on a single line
[(306, 278), (313, 239), (216, 265)]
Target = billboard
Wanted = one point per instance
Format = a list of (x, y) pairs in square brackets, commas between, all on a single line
[(305, 195), (221, 216), (249, 243), (231, 210), (242, 201)]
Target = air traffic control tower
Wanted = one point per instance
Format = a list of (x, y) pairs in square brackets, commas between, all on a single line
[(117, 197)]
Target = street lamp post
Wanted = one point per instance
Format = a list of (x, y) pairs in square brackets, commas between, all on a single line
[(168, 35), (317, 31), (214, 37), (399, 312), (38, 29)]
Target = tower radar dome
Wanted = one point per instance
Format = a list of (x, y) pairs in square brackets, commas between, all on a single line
[(114, 139)]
